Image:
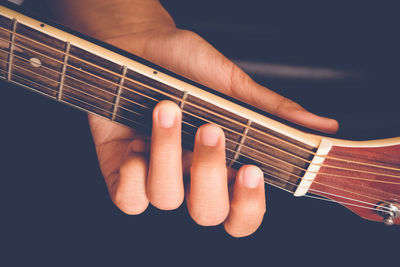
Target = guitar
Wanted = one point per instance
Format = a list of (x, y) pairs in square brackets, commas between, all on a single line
[(43, 57)]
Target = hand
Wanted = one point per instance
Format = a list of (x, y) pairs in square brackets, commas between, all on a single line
[(138, 171)]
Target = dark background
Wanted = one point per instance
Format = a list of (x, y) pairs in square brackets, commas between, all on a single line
[(54, 205)]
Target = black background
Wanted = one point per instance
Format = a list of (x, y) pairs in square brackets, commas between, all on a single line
[(54, 205)]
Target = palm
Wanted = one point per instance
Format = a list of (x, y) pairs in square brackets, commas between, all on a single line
[(201, 62)]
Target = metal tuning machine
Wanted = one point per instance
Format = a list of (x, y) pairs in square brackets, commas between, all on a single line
[(389, 211)]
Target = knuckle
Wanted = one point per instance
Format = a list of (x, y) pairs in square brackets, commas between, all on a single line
[(188, 35), (238, 79), (249, 211), (133, 166), (208, 170)]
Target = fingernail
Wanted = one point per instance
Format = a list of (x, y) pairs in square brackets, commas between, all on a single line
[(166, 117), (209, 135), (252, 177)]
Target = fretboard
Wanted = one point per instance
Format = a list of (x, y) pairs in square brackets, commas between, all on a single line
[(65, 70)]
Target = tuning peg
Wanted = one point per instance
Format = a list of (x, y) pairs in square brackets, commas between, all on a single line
[(389, 211), (389, 220)]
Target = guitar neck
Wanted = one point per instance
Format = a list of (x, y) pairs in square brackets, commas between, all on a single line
[(124, 88)]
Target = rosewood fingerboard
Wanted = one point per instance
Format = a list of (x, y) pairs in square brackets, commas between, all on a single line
[(69, 74)]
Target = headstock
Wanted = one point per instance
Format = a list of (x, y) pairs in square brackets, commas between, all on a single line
[(366, 180)]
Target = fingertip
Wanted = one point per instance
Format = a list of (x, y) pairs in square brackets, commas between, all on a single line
[(251, 176), (247, 208), (161, 201), (130, 206), (210, 135), (166, 114), (313, 121), (333, 126)]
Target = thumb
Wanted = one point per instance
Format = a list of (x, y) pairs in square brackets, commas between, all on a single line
[(244, 88)]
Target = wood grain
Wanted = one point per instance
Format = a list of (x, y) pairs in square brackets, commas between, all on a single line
[(368, 187)]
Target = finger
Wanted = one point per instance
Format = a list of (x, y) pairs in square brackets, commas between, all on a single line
[(165, 184), (247, 207), (129, 188), (208, 200)]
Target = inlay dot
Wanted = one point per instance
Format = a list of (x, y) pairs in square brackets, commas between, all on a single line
[(35, 62)]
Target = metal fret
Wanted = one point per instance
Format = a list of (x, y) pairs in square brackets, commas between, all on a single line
[(185, 95), (93, 83), (11, 56), (241, 143), (64, 68), (118, 97)]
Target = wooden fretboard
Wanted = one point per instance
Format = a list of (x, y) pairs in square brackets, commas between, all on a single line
[(68, 73)]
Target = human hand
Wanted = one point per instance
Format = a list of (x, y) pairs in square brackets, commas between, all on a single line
[(140, 177), (138, 170)]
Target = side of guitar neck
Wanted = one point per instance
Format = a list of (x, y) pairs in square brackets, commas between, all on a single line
[(123, 88)]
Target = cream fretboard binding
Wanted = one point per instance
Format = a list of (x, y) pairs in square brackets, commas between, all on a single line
[(71, 70)]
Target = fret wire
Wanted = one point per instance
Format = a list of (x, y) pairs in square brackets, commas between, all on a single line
[(142, 115), (271, 136), (239, 154), (185, 95), (176, 98), (216, 114), (245, 146), (271, 166), (232, 141), (117, 99), (249, 157), (11, 44), (143, 125), (265, 172), (242, 139), (189, 113), (64, 68), (379, 166), (65, 85)]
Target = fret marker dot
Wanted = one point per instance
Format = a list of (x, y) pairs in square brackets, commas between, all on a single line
[(155, 72), (35, 62)]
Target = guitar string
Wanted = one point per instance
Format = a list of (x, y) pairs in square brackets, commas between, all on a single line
[(350, 204), (377, 165), (272, 166), (331, 194), (258, 160), (300, 158), (144, 85), (263, 133), (231, 141), (265, 172), (348, 191), (325, 165)]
